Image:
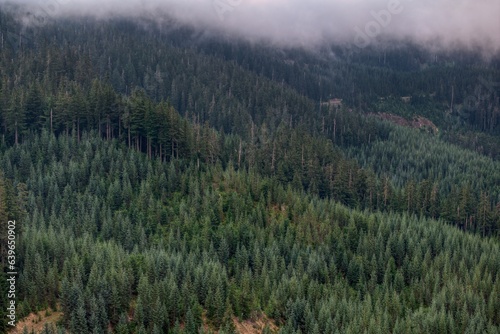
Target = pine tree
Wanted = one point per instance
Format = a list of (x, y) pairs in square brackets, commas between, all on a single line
[(191, 326), (122, 326), (78, 323)]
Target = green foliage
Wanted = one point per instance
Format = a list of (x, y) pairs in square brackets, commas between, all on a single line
[(303, 261), (453, 183), (169, 186)]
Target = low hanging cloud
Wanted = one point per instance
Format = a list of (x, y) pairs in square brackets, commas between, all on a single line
[(457, 23)]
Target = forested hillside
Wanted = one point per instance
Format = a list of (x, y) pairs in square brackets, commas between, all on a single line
[(175, 241), (168, 181)]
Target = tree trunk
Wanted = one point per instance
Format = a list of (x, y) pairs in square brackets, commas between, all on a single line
[(16, 135), (239, 156), (272, 157), (335, 130), (129, 141)]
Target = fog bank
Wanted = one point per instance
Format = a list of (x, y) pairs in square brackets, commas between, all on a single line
[(465, 23)]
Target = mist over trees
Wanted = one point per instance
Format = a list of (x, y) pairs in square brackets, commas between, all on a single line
[(167, 181)]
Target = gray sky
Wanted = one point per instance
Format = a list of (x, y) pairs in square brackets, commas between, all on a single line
[(470, 23)]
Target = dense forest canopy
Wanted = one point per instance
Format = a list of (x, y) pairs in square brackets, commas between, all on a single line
[(166, 180)]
